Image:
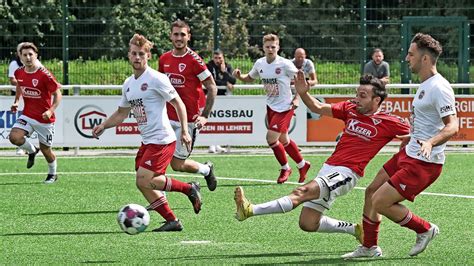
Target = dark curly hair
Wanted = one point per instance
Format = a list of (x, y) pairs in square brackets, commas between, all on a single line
[(426, 43), (378, 87)]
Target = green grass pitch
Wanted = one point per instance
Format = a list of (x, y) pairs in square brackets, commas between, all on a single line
[(74, 220)]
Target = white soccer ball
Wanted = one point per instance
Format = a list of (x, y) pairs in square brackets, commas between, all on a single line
[(133, 219)]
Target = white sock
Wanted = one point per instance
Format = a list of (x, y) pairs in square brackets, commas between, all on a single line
[(301, 164), (330, 225), (203, 169), (285, 166), (280, 205), (52, 168), (28, 147)]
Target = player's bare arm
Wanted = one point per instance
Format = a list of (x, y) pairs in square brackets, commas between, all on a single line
[(245, 77), (181, 111), (313, 79), (295, 103), (116, 118), (211, 87), (302, 87), (57, 97), (451, 127)]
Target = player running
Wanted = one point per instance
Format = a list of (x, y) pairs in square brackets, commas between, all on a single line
[(187, 72), (146, 93), (37, 86), (366, 131)]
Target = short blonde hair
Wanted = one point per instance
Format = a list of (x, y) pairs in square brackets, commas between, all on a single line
[(140, 41), (270, 38)]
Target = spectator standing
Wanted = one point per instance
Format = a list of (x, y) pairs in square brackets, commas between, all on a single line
[(377, 67), (222, 73), (306, 65)]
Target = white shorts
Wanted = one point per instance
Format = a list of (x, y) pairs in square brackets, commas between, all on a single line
[(181, 152), (333, 181), (45, 131)]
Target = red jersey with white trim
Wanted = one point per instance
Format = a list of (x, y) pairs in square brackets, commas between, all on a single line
[(186, 74), (364, 135), (36, 89)]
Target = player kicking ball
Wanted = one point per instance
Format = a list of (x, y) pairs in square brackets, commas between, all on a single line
[(365, 126)]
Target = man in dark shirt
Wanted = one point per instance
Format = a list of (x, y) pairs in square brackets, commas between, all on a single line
[(222, 73)]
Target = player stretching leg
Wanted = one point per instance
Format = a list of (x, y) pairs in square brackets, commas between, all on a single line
[(365, 126)]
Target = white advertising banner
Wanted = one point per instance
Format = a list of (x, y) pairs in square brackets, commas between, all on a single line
[(235, 120)]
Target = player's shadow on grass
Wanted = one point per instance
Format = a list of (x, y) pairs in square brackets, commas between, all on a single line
[(62, 233)]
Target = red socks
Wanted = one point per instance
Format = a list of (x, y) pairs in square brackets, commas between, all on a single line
[(279, 152), (371, 232), (292, 149), (161, 206), (415, 223), (176, 185)]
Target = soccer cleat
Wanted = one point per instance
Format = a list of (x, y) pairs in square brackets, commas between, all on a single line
[(170, 226), (244, 207), (50, 179), (211, 178), (31, 158), (303, 171), (195, 196), (363, 252), (359, 233), (423, 239), (284, 174)]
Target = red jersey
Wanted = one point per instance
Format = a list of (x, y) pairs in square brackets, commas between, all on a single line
[(186, 74), (364, 135), (36, 89)]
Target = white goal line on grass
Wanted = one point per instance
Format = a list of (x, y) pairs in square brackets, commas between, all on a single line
[(222, 178)]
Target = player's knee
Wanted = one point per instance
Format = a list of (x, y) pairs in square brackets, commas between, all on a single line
[(176, 165), (378, 203), (140, 182), (308, 226), (16, 140), (299, 192)]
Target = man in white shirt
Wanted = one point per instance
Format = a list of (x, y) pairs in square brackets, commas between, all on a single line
[(276, 74), (433, 122), (306, 65), (146, 93)]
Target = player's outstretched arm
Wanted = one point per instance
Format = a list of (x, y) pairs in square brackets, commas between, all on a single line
[(243, 77), (182, 115), (302, 87), (116, 118)]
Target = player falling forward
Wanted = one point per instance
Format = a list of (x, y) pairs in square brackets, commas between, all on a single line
[(187, 72), (365, 127), (276, 74), (146, 93), (37, 86), (409, 172)]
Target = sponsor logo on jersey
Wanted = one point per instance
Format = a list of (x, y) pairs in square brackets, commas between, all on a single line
[(144, 87), (35, 82), (177, 80), (181, 67), (447, 108), (31, 92), (86, 118), (278, 71), (376, 121), (422, 93), (364, 130)]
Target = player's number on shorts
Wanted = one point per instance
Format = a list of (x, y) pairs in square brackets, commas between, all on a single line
[(49, 138)]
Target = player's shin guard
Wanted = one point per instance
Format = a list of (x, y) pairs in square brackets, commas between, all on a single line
[(371, 232), (292, 149), (279, 152), (161, 206), (415, 223), (176, 185)]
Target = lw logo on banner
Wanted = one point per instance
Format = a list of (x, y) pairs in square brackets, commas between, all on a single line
[(86, 118)]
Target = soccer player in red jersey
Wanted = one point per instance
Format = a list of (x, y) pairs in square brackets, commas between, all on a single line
[(187, 73), (276, 74), (366, 131), (416, 166), (146, 93), (37, 86)]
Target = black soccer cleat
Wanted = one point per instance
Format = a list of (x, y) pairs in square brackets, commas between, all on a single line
[(170, 226), (211, 180), (195, 196), (50, 179), (31, 158)]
